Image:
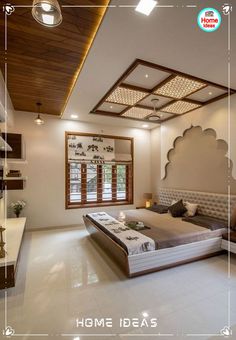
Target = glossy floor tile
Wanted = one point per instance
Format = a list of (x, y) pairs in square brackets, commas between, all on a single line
[(66, 281)]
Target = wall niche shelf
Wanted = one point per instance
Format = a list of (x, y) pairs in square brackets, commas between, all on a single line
[(14, 183)]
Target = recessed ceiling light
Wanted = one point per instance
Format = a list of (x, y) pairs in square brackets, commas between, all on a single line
[(111, 107), (73, 116), (145, 126), (145, 6), (210, 93), (145, 314), (146, 75)]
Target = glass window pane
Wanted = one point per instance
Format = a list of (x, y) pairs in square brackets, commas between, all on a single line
[(75, 182), (107, 182), (91, 183), (121, 182)]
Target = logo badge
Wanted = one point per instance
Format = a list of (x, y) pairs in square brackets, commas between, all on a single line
[(209, 19), (227, 8), (8, 331), (226, 331)]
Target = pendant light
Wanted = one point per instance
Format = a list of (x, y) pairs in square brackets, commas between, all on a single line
[(47, 12), (39, 120), (154, 116)]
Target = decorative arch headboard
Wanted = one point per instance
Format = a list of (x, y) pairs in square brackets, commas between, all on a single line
[(210, 204)]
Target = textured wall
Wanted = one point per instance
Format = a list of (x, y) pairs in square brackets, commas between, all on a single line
[(198, 162), (216, 116)]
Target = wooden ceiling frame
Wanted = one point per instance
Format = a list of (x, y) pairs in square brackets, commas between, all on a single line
[(172, 74)]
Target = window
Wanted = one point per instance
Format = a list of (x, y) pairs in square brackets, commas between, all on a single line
[(98, 170)]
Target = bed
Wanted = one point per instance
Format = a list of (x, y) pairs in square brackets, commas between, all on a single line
[(176, 241)]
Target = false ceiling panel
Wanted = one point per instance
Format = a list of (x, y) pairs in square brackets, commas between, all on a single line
[(177, 93)]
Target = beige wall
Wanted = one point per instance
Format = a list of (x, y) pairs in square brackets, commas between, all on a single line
[(44, 166)]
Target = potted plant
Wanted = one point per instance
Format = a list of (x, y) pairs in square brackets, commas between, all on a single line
[(18, 207)]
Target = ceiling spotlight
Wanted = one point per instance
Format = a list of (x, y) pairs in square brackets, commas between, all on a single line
[(47, 12), (73, 116), (145, 6), (145, 314), (145, 126), (146, 75), (154, 116), (39, 120), (111, 107), (210, 93)]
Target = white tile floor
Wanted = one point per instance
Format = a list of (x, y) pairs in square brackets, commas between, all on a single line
[(64, 276)]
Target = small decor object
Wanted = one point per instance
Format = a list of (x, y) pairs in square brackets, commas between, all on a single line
[(148, 197), (14, 173), (18, 207), (136, 225), (2, 243)]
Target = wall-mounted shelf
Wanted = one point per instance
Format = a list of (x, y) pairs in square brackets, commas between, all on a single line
[(14, 183), (15, 178)]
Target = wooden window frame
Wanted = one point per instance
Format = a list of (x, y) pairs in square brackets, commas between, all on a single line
[(99, 203)]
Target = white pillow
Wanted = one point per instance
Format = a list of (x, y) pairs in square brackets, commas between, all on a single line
[(191, 209)]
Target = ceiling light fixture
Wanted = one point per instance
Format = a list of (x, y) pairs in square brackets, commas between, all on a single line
[(146, 75), (73, 116), (145, 126), (39, 120), (47, 12), (210, 93), (154, 116), (145, 6)]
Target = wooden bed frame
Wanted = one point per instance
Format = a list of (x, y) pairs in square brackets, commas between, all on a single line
[(135, 265), (211, 204)]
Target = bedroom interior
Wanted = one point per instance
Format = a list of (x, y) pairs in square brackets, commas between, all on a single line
[(118, 170)]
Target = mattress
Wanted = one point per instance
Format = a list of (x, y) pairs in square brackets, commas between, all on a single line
[(166, 230)]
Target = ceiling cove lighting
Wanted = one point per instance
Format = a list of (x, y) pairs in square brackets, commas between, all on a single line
[(146, 6), (39, 120), (47, 12)]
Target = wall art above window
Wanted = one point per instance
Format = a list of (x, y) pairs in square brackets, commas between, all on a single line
[(99, 170)]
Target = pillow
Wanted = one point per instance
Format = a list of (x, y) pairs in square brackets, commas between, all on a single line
[(191, 209), (233, 219), (159, 208), (208, 222), (177, 209)]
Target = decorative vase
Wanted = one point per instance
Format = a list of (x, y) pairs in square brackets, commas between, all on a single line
[(17, 213)]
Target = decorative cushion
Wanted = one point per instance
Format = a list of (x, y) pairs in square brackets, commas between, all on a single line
[(191, 209), (159, 208), (177, 209), (233, 219)]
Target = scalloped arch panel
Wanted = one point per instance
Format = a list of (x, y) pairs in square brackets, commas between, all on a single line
[(198, 161)]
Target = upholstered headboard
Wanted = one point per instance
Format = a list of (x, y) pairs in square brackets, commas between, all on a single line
[(209, 204)]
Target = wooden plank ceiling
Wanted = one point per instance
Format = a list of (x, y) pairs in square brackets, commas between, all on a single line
[(43, 62)]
